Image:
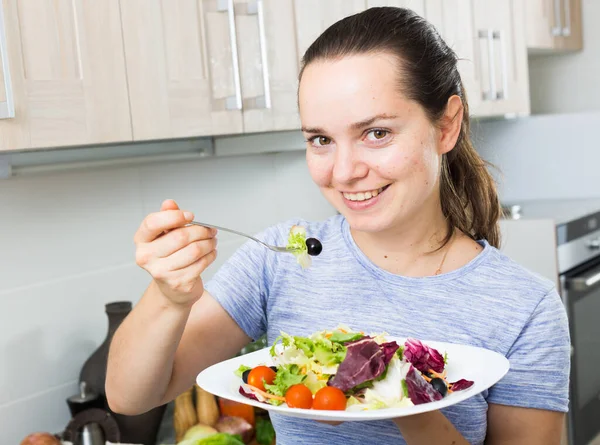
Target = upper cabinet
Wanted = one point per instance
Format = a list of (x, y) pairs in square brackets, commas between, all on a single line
[(182, 68), (87, 72), (66, 74), (554, 26), (501, 57)]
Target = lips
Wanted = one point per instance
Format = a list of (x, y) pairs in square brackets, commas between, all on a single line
[(363, 196)]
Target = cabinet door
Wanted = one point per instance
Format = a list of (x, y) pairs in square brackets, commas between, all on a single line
[(67, 74), (314, 16), (454, 21), (182, 68), (540, 27), (416, 5), (553, 26), (501, 57), (269, 64)]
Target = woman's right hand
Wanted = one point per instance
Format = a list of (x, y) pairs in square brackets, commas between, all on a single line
[(175, 254)]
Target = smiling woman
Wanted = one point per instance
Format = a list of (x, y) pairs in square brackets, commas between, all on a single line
[(413, 253)]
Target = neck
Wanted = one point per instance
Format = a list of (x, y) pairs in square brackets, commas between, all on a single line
[(410, 248)]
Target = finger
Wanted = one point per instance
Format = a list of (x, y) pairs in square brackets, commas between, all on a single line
[(179, 238), (169, 204), (190, 254), (200, 266), (156, 223)]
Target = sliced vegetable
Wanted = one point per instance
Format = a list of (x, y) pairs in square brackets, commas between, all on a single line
[(286, 377), (461, 384), (363, 362), (344, 337), (423, 357), (419, 390)]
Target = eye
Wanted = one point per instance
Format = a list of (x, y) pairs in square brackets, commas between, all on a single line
[(320, 141), (377, 134)]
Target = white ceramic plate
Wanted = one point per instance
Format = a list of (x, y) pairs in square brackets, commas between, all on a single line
[(482, 366)]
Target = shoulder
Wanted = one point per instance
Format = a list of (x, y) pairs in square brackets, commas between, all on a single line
[(499, 270)]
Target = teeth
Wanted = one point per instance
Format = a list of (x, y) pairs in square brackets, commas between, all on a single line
[(362, 196)]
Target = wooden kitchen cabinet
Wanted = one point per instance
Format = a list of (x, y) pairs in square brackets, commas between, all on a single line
[(553, 26), (501, 58), (454, 21), (182, 68), (67, 74)]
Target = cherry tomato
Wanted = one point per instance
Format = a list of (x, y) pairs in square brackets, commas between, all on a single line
[(299, 396), (260, 373), (330, 397)]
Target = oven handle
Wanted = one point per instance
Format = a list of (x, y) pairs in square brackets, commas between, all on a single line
[(585, 282)]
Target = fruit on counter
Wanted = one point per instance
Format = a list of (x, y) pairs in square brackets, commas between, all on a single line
[(236, 409), (206, 407), (215, 439), (184, 416), (199, 431), (236, 426), (40, 439)]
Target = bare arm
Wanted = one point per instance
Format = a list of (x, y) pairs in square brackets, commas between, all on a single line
[(177, 328), (160, 348), (509, 425)]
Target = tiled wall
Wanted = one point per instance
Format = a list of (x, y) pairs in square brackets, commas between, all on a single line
[(66, 249)]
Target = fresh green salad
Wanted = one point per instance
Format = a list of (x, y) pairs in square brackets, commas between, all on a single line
[(342, 369)]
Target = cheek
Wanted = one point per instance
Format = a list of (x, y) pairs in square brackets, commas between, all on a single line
[(319, 169)]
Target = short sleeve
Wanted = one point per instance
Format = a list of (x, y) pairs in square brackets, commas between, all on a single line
[(539, 361), (241, 285)]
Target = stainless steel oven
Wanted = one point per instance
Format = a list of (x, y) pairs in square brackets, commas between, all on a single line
[(578, 243)]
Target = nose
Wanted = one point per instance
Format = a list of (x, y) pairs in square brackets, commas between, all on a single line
[(348, 166)]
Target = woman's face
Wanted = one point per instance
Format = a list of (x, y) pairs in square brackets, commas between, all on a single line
[(373, 152)]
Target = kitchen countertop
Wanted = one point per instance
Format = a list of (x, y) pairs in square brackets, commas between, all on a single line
[(559, 210)]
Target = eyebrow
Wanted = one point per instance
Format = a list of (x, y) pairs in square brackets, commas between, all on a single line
[(355, 125)]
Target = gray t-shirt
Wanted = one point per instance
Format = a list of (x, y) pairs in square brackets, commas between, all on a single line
[(491, 302)]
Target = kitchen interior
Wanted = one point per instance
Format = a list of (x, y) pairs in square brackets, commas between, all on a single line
[(108, 108)]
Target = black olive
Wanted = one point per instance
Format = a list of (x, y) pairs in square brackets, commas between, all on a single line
[(314, 246), (428, 374), (245, 375), (440, 386), (274, 368)]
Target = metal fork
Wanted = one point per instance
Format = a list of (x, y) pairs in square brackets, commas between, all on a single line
[(268, 246)]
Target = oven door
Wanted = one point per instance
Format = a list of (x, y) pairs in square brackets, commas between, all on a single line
[(582, 299)]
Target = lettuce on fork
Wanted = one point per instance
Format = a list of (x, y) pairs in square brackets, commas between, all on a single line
[(297, 246)]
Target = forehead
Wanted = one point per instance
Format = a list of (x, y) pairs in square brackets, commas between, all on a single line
[(350, 88)]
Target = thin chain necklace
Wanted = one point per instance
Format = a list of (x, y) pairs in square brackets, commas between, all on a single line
[(439, 269)]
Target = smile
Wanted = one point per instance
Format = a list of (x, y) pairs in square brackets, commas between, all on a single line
[(363, 196)]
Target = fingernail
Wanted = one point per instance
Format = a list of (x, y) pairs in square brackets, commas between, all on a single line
[(188, 216)]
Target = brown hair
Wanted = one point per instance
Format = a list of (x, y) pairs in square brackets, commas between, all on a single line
[(429, 77)]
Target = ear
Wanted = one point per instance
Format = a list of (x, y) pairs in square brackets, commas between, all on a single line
[(450, 124)]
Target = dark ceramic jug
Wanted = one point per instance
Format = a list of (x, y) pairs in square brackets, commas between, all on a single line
[(141, 429)]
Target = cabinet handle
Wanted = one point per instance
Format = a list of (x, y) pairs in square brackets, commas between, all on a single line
[(232, 102), (488, 34), (7, 108), (504, 93), (557, 29), (257, 7), (566, 31)]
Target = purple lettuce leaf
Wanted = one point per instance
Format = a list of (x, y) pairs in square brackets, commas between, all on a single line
[(248, 395), (461, 384), (423, 357), (419, 390), (389, 349), (364, 361)]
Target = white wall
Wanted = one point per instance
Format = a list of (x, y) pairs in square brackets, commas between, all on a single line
[(66, 249), (543, 157), (569, 83)]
